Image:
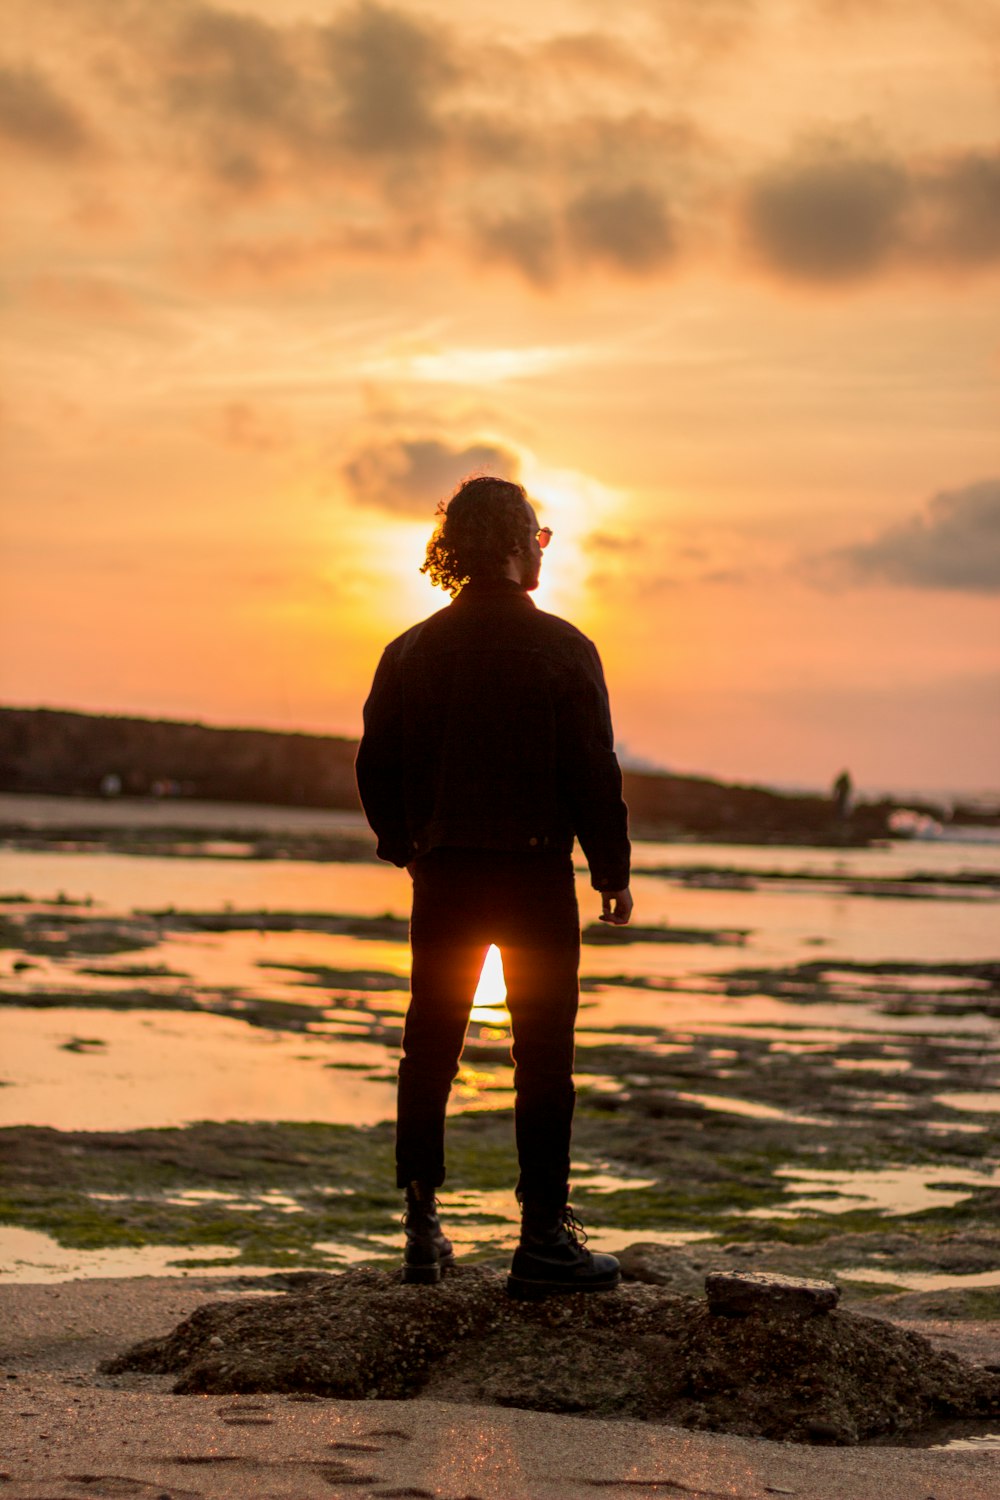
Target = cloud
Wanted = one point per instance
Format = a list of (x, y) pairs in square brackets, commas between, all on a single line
[(232, 65), (525, 239), (408, 476), (591, 55), (96, 297), (828, 215), (277, 258), (385, 131), (838, 211), (627, 228), (630, 227), (240, 108), (963, 198), (36, 118), (611, 542), (708, 28), (392, 72), (242, 425), (954, 544)]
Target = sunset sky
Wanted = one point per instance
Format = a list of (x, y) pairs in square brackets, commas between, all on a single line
[(717, 280)]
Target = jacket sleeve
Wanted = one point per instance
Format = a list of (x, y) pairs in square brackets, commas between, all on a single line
[(378, 765), (589, 771)]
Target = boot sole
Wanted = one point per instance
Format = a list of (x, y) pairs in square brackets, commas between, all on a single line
[(426, 1275), (524, 1290)]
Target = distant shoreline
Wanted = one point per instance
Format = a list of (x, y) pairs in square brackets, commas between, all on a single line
[(158, 764)]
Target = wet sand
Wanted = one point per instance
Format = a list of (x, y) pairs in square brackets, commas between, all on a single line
[(70, 1433)]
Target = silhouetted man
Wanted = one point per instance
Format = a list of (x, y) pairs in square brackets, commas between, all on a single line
[(487, 747)]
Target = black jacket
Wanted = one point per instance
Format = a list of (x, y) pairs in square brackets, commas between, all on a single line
[(488, 727)]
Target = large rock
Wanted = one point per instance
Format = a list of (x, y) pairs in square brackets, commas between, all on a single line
[(737, 1294), (639, 1352)]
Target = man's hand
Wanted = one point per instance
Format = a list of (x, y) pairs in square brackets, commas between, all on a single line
[(616, 907)]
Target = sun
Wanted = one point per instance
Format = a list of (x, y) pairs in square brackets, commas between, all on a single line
[(574, 505)]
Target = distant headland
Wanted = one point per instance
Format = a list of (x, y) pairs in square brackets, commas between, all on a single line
[(65, 753)]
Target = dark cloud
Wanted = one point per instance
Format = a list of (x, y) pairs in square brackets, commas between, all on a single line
[(828, 216), (963, 202), (954, 544), (839, 213), (35, 117), (628, 226), (232, 65), (389, 131), (391, 72), (236, 99), (526, 240), (408, 476)]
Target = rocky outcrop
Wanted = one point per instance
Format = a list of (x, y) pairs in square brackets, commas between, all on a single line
[(640, 1352), (737, 1294)]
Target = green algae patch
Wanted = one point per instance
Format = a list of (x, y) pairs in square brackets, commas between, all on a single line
[(859, 1290), (276, 1193), (298, 1195), (981, 1304), (271, 1192)]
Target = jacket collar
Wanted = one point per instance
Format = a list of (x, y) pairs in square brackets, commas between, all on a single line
[(492, 588)]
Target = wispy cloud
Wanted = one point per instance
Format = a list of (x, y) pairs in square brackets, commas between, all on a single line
[(460, 365)]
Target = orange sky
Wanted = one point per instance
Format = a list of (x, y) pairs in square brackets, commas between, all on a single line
[(719, 280)]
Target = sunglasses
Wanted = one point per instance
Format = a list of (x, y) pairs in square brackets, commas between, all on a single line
[(544, 536)]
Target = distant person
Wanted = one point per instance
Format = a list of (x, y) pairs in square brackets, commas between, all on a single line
[(843, 792), (487, 746)]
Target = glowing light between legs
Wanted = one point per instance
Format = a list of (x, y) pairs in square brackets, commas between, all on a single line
[(489, 1005)]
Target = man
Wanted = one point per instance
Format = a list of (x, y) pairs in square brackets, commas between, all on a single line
[(487, 747)]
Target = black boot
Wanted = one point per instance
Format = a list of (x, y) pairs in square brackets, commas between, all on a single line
[(427, 1252), (551, 1257)]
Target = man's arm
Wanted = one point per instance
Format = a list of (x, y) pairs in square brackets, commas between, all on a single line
[(378, 765), (592, 780)]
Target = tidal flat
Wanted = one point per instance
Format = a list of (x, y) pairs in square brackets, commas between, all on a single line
[(792, 1058)]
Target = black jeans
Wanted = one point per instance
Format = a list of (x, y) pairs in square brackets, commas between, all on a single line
[(463, 900)]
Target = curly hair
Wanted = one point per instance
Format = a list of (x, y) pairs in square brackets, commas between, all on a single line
[(481, 525)]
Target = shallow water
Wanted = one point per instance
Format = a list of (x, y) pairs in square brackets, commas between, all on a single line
[(181, 1025), (162, 1067)]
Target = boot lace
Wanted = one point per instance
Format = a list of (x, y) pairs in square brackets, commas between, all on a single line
[(429, 1206), (573, 1227)]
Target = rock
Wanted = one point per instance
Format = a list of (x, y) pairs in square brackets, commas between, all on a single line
[(642, 1353), (828, 1432), (735, 1294), (659, 1265)]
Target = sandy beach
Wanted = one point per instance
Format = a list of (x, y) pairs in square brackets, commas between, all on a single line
[(70, 1432)]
